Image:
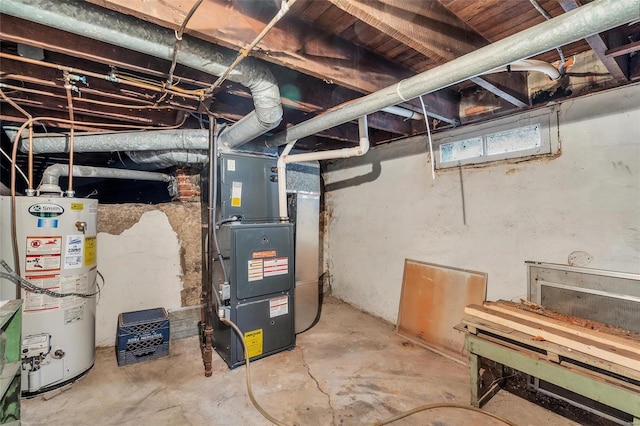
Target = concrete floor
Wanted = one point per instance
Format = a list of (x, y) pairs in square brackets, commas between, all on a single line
[(350, 369)]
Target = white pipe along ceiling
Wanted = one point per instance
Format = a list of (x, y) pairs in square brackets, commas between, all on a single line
[(595, 17)]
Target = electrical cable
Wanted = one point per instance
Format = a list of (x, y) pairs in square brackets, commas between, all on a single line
[(19, 170), (426, 121), (176, 45), (213, 163), (228, 220)]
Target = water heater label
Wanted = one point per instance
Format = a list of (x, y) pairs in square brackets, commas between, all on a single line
[(77, 207), (46, 210), (47, 223), (278, 306), (39, 302), (44, 245), (74, 251), (90, 248), (73, 314)]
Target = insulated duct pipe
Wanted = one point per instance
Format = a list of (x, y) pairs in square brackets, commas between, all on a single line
[(285, 159), (51, 176), (592, 18), (88, 20), (169, 158), (180, 139)]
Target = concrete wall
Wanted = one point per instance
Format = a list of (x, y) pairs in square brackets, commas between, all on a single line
[(385, 207)]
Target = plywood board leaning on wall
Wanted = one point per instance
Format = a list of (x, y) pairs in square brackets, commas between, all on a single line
[(432, 303)]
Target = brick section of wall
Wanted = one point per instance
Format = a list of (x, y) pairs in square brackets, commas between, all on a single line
[(188, 184)]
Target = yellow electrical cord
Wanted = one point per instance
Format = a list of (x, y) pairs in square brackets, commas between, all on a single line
[(387, 421)]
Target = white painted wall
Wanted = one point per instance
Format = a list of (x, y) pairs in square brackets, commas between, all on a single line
[(384, 207), (142, 270)]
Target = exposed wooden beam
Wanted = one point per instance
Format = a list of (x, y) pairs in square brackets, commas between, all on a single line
[(309, 94), (432, 30), (618, 67), (623, 50), (426, 27), (292, 43), (512, 96)]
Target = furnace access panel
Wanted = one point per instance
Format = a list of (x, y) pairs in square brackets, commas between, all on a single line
[(260, 300)]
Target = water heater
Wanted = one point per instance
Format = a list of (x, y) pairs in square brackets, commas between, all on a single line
[(56, 241)]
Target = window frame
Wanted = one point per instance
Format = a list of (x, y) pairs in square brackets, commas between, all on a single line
[(547, 119)]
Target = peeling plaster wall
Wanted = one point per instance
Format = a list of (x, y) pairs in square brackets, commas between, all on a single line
[(384, 207), (149, 257)]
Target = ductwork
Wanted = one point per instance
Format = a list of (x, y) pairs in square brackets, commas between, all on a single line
[(169, 158), (180, 139), (51, 176), (595, 17), (88, 20)]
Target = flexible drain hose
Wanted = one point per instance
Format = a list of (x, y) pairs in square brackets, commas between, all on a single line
[(380, 423), (440, 405)]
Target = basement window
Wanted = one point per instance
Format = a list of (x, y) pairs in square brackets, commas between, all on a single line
[(520, 136)]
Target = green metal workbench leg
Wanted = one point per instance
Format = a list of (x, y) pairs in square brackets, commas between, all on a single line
[(474, 367)]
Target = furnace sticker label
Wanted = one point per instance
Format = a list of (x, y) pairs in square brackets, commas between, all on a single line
[(255, 270), (74, 252), (236, 194), (253, 339), (231, 165), (278, 306), (277, 266), (90, 249), (39, 302), (263, 254)]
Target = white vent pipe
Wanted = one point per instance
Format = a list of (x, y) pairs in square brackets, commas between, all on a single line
[(51, 176), (592, 18), (285, 158)]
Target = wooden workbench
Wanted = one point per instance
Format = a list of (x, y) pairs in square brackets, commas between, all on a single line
[(583, 362)]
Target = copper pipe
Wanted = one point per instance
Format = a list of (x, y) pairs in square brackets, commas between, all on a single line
[(67, 87), (194, 94), (87, 100)]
